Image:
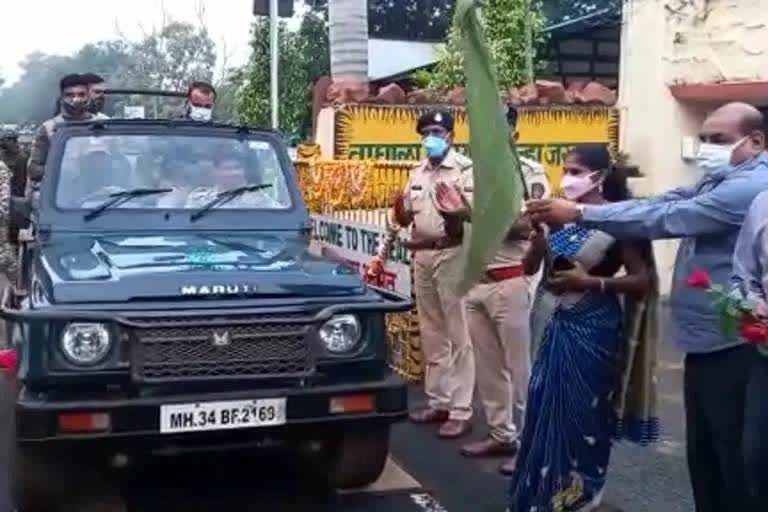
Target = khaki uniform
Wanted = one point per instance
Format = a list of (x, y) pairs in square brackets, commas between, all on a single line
[(450, 368), (537, 181), (498, 314), (499, 324)]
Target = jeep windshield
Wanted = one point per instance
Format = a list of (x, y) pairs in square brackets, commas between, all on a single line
[(189, 172)]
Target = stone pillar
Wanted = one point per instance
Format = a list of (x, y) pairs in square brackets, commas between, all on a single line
[(653, 122)]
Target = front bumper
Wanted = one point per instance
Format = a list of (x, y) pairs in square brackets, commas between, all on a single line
[(139, 417)]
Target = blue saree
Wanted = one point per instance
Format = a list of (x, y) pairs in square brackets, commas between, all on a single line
[(570, 421)]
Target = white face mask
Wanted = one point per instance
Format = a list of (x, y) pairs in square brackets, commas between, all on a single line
[(712, 157), (200, 113), (576, 187)]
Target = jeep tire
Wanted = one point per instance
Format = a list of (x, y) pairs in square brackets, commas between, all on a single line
[(26, 482), (356, 458)]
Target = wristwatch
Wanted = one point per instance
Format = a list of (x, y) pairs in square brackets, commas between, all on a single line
[(581, 208)]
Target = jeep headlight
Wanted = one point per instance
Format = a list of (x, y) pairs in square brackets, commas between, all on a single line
[(85, 343), (341, 334)]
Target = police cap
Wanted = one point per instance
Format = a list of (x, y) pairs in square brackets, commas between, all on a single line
[(435, 117)]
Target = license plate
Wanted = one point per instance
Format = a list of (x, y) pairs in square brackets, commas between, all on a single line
[(222, 415)]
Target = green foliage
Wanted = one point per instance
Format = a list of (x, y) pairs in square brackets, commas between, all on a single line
[(167, 58), (304, 57), (421, 78), (514, 30), (405, 20), (171, 57)]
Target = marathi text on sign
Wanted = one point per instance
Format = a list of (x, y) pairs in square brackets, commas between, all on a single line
[(380, 132)]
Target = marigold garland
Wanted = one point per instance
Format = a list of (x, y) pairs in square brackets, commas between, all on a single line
[(350, 184)]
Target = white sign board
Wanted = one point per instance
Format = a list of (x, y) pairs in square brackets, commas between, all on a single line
[(357, 244), (134, 112)]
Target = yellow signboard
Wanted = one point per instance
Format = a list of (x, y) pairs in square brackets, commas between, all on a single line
[(546, 133)]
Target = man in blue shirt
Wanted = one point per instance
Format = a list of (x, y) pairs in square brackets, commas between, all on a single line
[(707, 218), (750, 280)]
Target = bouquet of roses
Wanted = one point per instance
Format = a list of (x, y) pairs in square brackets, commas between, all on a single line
[(737, 314)]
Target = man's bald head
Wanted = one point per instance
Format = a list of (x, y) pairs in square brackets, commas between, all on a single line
[(736, 124)]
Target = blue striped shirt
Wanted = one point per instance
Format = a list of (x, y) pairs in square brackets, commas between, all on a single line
[(707, 217)]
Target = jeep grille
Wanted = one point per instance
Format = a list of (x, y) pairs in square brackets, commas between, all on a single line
[(172, 352)]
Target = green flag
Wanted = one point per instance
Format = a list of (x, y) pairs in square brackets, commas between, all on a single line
[(497, 183)]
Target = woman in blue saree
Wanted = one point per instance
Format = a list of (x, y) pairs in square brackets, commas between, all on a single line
[(577, 333)]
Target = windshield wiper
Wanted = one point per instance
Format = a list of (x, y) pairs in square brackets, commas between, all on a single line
[(118, 198), (225, 197)]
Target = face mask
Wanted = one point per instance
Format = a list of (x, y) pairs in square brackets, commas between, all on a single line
[(74, 107), (200, 113), (435, 146), (96, 105), (576, 187), (712, 157)]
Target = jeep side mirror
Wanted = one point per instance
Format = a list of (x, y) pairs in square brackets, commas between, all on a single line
[(21, 212)]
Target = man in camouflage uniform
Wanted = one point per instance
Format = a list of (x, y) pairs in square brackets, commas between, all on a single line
[(97, 94), (13, 178), (200, 102), (15, 158), (7, 248), (74, 107)]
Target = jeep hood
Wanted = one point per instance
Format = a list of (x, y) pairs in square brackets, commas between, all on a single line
[(112, 269)]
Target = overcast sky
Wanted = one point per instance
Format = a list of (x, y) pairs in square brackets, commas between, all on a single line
[(63, 26)]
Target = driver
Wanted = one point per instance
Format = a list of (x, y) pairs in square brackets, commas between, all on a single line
[(229, 172)]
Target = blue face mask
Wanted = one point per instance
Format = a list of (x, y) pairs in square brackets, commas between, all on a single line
[(435, 146)]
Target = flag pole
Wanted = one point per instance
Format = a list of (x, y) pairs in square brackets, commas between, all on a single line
[(274, 56)]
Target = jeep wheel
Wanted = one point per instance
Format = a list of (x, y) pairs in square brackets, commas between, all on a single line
[(7, 442), (25, 481), (357, 457)]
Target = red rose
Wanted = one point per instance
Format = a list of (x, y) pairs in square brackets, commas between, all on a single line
[(8, 360), (700, 279), (756, 333)]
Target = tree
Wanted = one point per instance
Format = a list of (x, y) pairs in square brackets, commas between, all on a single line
[(170, 57), (514, 29), (407, 20), (558, 11), (304, 56), (349, 45), (31, 98), (167, 58)]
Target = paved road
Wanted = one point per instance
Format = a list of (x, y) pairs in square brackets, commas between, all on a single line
[(424, 474)]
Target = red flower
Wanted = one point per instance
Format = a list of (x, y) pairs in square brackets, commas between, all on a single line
[(700, 279), (756, 333), (8, 360)]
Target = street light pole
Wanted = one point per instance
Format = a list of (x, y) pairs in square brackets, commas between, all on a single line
[(274, 51)]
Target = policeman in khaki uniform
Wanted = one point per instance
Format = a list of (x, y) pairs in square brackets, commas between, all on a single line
[(450, 369), (498, 311)]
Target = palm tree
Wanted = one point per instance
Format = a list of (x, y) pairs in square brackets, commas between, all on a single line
[(349, 48)]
